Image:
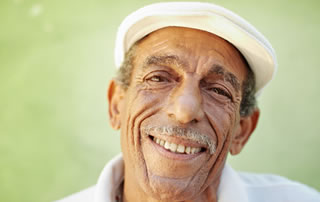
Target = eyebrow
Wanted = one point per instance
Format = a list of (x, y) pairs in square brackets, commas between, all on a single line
[(227, 76), (165, 60), (175, 60)]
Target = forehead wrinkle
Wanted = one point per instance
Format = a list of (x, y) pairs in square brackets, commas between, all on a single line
[(227, 76), (164, 60)]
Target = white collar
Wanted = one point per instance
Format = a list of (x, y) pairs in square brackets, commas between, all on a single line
[(109, 181), (230, 189)]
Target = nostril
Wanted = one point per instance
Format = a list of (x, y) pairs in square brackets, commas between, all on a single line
[(185, 107), (171, 115), (194, 121)]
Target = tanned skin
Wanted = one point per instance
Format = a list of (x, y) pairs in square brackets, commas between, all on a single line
[(187, 79)]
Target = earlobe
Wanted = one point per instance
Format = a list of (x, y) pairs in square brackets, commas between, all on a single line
[(245, 128), (115, 97)]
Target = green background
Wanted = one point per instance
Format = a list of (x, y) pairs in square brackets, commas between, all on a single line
[(56, 58)]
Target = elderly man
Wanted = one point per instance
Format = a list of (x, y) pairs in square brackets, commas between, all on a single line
[(184, 97)]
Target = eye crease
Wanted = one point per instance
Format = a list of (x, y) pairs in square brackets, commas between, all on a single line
[(220, 92), (163, 79)]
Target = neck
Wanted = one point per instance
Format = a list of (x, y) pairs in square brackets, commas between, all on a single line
[(132, 192)]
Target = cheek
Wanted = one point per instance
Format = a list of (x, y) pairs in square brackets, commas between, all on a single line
[(139, 105), (137, 102), (222, 119)]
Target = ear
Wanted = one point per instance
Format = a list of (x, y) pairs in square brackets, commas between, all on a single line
[(243, 132), (115, 99)]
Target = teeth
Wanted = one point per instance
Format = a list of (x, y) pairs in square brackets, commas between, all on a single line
[(180, 148), (176, 148), (173, 147), (195, 150), (167, 145), (188, 149)]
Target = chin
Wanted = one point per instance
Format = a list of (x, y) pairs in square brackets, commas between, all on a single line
[(171, 189)]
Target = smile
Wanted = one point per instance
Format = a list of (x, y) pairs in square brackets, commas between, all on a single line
[(176, 148)]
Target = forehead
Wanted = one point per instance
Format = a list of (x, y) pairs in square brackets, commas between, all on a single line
[(196, 50)]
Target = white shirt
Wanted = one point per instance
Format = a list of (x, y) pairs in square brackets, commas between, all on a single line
[(234, 187)]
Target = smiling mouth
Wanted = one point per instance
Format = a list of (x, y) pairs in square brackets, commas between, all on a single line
[(177, 148)]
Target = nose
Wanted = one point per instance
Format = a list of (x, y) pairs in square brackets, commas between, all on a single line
[(186, 104)]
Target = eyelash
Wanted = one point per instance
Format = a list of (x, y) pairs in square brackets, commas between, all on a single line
[(220, 91)]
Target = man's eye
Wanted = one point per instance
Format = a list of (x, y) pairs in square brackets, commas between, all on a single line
[(158, 79), (220, 91)]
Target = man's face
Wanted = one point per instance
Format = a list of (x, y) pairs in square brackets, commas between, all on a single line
[(180, 114)]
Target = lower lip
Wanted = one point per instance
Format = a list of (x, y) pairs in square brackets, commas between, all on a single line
[(172, 155)]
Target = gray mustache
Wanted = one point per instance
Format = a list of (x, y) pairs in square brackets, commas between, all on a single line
[(185, 133)]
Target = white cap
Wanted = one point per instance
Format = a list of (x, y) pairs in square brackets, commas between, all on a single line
[(203, 16)]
